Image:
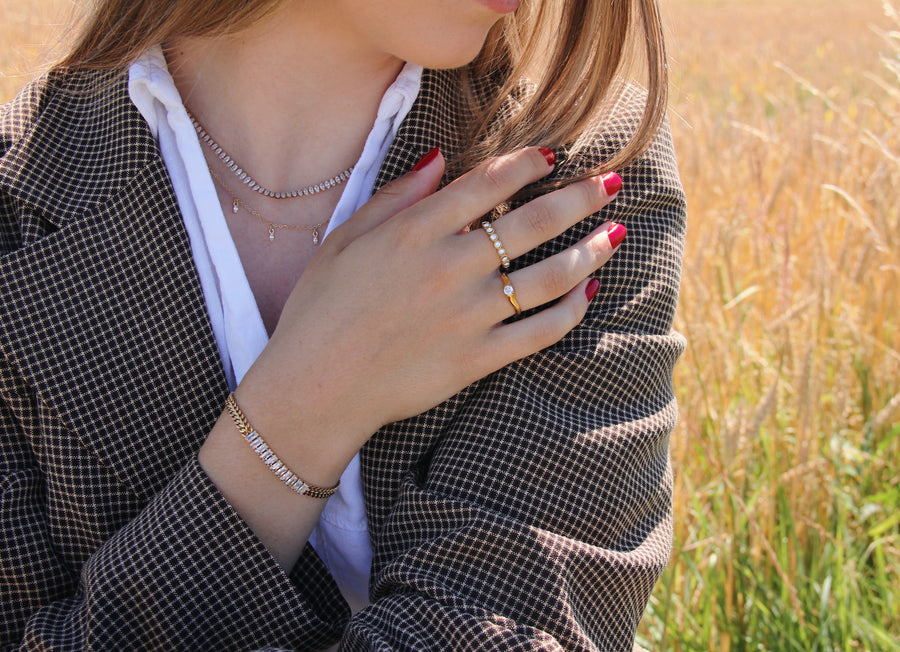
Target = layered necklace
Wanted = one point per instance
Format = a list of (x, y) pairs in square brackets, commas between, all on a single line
[(237, 204), (247, 180)]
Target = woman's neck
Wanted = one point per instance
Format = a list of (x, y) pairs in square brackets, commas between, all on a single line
[(291, 99)]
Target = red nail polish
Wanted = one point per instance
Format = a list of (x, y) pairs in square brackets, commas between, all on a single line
[(612, 183), (548, 154), (591, 290), (425, 160), (616, 233)]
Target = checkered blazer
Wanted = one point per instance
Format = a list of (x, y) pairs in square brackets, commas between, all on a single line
[(531, 511)]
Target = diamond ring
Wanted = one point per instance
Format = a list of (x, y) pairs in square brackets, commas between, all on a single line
[(510, 293), (498, 246)]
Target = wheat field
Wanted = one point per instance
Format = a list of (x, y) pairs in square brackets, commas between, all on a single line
[(786, 117)]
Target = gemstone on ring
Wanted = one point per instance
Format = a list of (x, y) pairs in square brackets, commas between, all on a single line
[(498, 245), (510, 293)]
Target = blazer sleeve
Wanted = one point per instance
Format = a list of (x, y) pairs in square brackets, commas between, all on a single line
[(128, 546), (184, 573), (542, 519)]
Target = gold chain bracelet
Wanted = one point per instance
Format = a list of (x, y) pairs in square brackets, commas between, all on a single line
[(270, 459)]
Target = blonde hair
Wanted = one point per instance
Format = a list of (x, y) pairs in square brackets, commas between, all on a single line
[(577, 51)]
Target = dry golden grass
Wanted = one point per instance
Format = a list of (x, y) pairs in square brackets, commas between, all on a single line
[(787, 507), (787, 125), (30, 30)]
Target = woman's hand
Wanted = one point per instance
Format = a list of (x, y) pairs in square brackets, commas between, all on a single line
[(400, 309)]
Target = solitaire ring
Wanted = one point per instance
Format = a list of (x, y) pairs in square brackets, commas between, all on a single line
[(510, 293), (495, 241)]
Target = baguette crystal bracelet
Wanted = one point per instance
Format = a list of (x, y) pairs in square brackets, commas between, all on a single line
[(270, 459)]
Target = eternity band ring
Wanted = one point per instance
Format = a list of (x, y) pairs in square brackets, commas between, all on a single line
[(510, 293), (495, 241)]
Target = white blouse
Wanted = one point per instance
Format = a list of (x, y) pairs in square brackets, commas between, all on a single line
[(341, 537)]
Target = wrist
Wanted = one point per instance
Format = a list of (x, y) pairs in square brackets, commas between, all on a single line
[(300, 422), (309, 451), (280, 518), (270, 458)]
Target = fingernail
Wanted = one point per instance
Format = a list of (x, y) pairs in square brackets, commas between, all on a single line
[(591, 290), (616, 233), (612, 183), (548, 154), (425, 160)]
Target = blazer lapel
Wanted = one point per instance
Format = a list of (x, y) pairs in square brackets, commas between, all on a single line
[(436, 119), (103, 312)]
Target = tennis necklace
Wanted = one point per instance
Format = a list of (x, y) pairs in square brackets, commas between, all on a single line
[(232, 165), (237, 204)]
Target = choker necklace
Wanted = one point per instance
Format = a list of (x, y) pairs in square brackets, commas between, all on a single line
[(232, 165), (237, 204)]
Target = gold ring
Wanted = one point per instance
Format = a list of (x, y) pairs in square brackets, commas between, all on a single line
[(510, 293), (498, 246)]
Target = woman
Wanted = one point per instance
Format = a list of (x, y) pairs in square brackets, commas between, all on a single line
[(477, 402)]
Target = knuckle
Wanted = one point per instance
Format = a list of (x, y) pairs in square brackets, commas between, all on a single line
[(443, 284), (591, 197), (539, 216), (409, 234), (495, 174), (555, 281)]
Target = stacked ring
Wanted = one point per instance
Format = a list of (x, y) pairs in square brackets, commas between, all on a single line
[(498, 246), (510, 293)]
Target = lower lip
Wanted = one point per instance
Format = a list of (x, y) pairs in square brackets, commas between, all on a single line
[(501, 6)]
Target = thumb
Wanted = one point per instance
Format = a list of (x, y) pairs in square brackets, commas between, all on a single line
[(396, 196)]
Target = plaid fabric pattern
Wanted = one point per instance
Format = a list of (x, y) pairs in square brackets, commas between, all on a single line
[(531, 511)]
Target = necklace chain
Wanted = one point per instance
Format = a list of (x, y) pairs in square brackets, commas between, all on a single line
[(241, 174), (237, 203)]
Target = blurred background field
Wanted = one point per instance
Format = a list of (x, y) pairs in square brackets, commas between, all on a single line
[(786, 116)]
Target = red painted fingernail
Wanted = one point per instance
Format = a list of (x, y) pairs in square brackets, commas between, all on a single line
[(548, 154), (616, 233), (425, 160), (591, 290), (612, 183)]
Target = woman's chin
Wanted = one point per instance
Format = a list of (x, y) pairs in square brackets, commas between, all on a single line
[(501, 6)]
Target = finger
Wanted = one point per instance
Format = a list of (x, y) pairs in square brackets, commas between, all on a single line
[(509, 342), (394, 197), (555, 276), (491, 183), (548, 216)]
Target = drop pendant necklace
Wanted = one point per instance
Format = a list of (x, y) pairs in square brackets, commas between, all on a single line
[(237, 203), (247, 180)]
